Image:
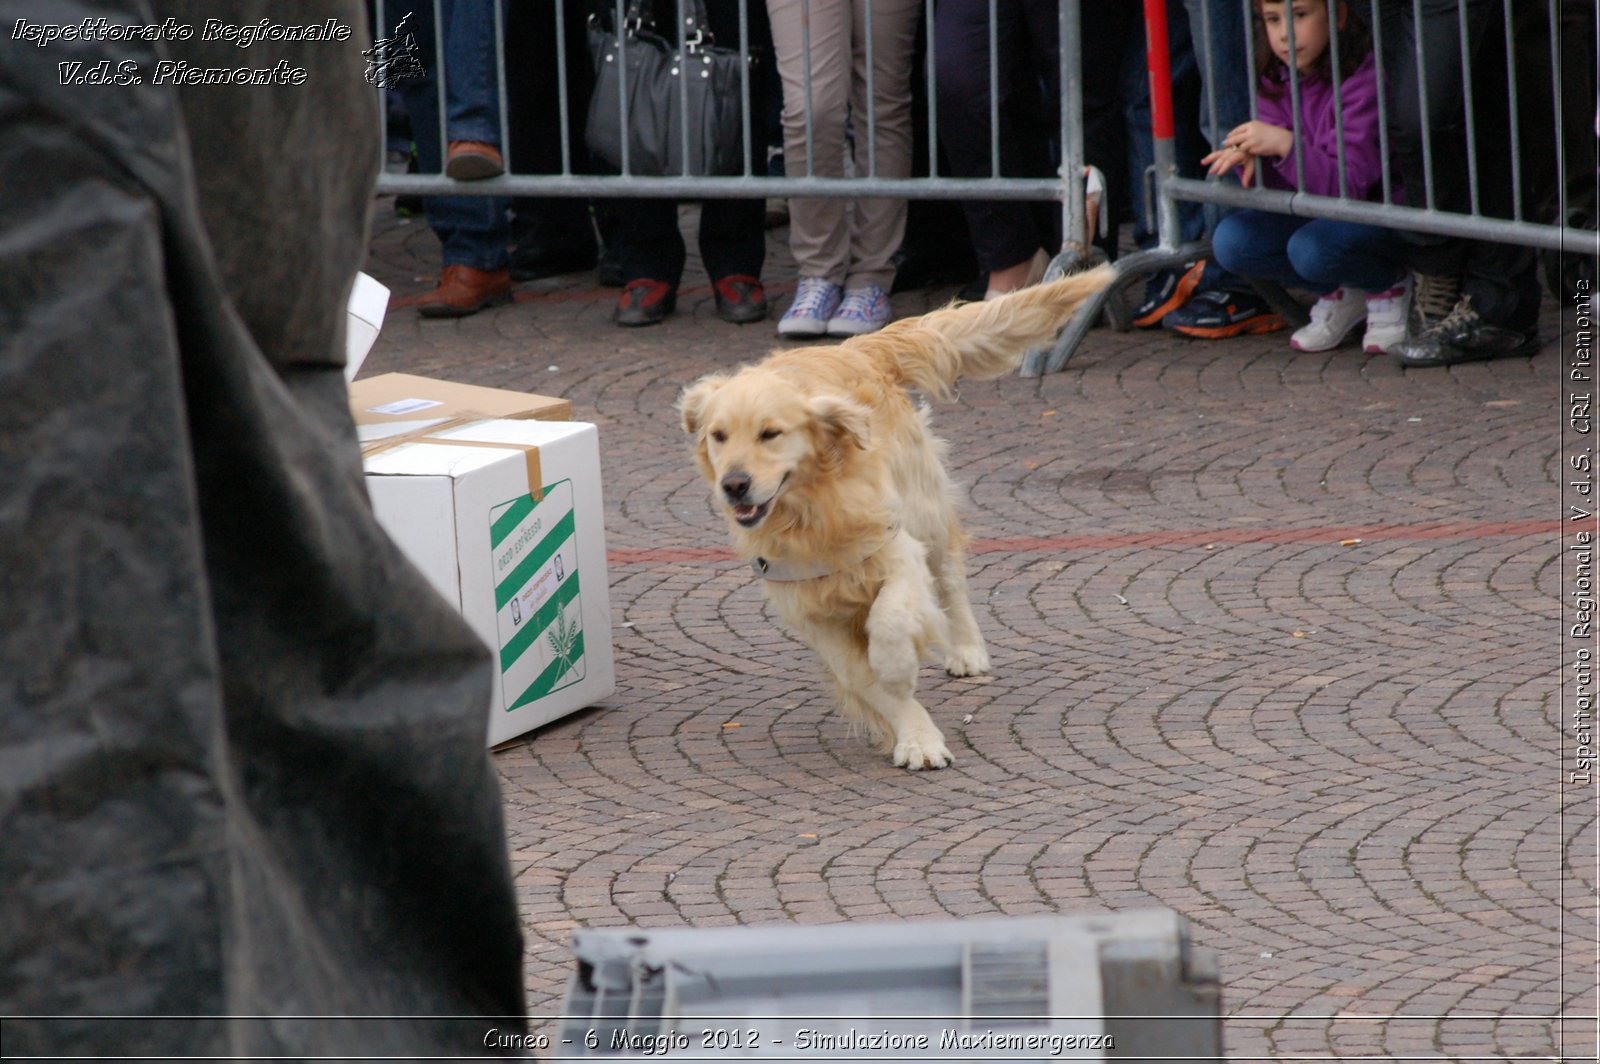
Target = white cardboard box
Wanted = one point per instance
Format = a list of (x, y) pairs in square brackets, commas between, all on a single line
[(528, 572)]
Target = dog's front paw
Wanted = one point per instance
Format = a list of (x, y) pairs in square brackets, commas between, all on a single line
[(918, 754), (967, 661)]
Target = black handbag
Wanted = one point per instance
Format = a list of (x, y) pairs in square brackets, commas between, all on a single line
[(658, 95)]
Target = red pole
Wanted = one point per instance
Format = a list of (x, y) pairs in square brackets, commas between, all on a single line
[(1159, 61)]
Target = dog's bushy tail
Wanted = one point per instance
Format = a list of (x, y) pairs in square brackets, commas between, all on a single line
[(980, 340)]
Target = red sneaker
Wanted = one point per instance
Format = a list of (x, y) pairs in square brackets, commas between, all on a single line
[(740, 299), (645, 302)]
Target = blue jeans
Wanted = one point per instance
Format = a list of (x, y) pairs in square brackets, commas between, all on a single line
[(1220, 34), (1224, 59), (474, 230), (1316, 254)]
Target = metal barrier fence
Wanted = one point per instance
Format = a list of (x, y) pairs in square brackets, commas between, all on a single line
[(1168, 188), (1474, 224), (1068, 188)]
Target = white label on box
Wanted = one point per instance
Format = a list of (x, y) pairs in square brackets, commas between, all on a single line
[(539, 615), (405, 406)]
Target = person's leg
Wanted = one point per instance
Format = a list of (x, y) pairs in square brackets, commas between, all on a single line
[(552, 235), (1360, 270), (879, 224), (1188, 145), (472, 93), (1107, 29), (1494, 287), (818, 236), (652, 260), (1331, 254), (1003, 232), (1170, 289), (936, 249), (1222, 49), (733, 237), (473, 231), (1256, 244), (733, 244)]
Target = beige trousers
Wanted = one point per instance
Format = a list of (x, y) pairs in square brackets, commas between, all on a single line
[(846, 242)]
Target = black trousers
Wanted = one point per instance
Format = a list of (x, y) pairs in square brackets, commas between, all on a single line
[(548, 223), (733, 238), (1502, 279), (1004, 233)]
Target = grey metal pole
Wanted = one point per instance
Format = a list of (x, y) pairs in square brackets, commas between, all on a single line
[(1074, 211)]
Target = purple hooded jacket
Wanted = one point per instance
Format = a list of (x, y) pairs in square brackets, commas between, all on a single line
[(1318, 142)]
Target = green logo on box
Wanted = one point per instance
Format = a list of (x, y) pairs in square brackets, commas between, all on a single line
[(539, 613)]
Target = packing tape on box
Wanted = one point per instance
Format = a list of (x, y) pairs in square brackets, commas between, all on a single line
[(430, 434)]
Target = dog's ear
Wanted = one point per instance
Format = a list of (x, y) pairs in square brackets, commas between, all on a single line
[(692, 403), (843, 420)]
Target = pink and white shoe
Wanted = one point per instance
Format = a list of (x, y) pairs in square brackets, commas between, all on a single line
[(1333, 318), (1387, 313)]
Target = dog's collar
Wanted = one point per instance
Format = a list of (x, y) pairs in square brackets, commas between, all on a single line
[(779, 571)]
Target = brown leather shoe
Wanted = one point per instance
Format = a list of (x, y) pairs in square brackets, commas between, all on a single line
[(471, 160), (462, 290)]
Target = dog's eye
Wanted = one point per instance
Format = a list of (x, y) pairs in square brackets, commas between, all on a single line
[(719, 435), (770, 434)]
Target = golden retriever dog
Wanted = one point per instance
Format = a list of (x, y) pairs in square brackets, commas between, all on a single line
[(835, 490)]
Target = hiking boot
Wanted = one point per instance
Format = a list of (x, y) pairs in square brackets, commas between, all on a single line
[(1433, 297), (1462, 336)]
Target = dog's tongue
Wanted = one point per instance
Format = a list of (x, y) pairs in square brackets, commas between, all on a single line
[(744, 511)]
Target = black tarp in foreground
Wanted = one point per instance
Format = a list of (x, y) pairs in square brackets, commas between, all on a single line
[(242, 767)]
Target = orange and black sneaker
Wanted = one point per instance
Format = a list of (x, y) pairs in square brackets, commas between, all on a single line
[(1165, 292), (1217, 313)]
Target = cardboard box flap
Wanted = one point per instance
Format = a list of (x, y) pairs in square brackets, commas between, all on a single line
[(391, 398), (368, 303)]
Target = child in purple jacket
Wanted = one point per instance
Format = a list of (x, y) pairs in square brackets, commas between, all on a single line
[(1358, 267)]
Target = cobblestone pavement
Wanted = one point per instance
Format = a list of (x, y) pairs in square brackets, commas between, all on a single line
[(1276, 642)]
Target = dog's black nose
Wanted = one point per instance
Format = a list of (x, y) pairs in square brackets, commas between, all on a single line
[(736, 485)]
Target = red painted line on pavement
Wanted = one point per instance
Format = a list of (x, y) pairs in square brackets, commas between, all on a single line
[(1332, 535)]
